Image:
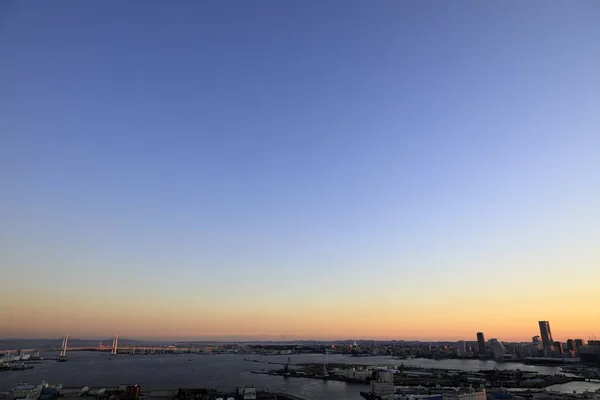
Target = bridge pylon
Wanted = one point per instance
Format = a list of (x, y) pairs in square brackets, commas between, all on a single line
[(115, 344)]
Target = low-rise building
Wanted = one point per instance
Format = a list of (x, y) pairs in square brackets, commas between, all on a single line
[(466, 395), (382, 383), (360, 374)]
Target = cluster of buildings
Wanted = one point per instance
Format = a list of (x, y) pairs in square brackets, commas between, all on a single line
[(383, 388), (542, 347), (45, 391)]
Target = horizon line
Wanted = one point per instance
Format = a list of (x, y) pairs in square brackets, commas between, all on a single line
[(263, 340)]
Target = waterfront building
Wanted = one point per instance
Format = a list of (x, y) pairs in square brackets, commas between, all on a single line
[(571, 345), (360, 374), (462, 347), (536, 339), (481, 343), (579, 343), (590, 353), (466, 394), (382, 383), (498, 349), (546, 334)]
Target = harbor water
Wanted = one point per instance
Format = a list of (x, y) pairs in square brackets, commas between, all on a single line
[(227, 371)]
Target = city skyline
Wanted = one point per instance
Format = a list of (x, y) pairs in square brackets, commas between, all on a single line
[(479, 338), (336, 169)]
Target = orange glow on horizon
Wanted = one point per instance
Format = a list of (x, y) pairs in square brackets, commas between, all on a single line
[(449, 321)]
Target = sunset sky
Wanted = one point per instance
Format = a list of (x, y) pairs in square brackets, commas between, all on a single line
[(299, 170)]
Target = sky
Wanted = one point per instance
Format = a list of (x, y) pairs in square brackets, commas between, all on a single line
[(299, 170)]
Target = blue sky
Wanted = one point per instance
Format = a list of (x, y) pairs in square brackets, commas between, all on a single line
[(218, 156)]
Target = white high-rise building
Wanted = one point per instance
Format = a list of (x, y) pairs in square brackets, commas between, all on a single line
[(497, 349)]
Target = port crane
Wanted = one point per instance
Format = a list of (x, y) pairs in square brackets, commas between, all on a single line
[(286, 367)]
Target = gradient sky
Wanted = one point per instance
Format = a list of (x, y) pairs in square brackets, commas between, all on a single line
[(292, 169)]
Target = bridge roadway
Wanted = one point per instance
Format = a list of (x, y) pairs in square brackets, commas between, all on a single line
[(137, 348), (121, 349)]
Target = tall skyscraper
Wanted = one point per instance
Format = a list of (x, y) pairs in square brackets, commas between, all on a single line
[(546, 334), (481, 343)]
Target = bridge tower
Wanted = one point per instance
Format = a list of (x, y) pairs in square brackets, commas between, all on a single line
[(63, 350), (115, 344)]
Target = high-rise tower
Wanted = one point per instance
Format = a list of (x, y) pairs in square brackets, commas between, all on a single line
[(481, 343)]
